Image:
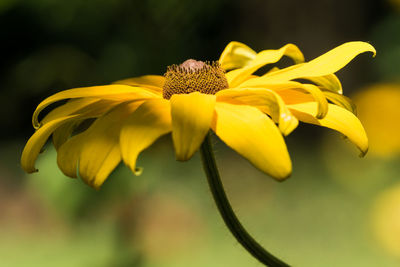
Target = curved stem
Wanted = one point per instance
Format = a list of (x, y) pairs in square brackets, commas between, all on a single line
[(225, 209)]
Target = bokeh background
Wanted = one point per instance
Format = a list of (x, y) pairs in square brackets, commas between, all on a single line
[(335, 210)]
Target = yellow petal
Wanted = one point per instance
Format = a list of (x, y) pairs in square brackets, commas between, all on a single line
[(319, 97), (267, 101), (101, 152), (330, 82), (68, 155), (292, 96), (37, 141), (85, 108), (265, 57), (277, 86), (71, 107), (150, 121), (96, 151), (312, 89), (62, 133), (254, 136), (111, 92), (236, 55), (109, 163), (325, 64), (191, 120), (338, 119), (341, 100), (153, 82)]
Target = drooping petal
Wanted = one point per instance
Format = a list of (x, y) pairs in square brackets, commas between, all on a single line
[(61, 126), (325, 64), (254, 136), (110, 92), (341, 100), (191, 120), (69, 155), (263, 58), (267, 101), (73, 106), (37, 141), (236, 55), (337, 118), (101, 152), (150, 121), (96, 151), (153, 82), (89, 110)]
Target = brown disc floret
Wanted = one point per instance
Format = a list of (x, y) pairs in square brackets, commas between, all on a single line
[(194, 76)]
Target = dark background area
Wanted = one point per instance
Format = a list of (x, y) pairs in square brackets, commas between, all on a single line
[(48, 46)]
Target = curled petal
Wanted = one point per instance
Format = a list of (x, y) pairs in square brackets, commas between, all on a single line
[(338, 119), (73, 106), (254, 136), (37, 141), (144, 126), (61, 124), (236, 55), (110, 92), (323, 65), (87, 109), (236, 77)]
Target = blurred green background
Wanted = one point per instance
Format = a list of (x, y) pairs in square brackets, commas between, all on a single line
[(335, 210)]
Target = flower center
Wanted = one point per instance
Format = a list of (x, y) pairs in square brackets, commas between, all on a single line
[(194, 76)]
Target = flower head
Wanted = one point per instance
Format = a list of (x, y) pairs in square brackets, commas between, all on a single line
[(250, 113), (194, 76)]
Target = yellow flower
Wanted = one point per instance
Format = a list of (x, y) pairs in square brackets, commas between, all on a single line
[(250, 113), (381, 121)]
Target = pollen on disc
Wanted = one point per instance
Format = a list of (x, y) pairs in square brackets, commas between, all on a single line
[(194, 76)]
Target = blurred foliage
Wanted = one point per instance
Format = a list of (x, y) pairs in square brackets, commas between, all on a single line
[(336, 209), (385, 218)]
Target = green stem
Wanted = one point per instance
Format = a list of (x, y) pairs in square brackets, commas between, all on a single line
[(225, 209)]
